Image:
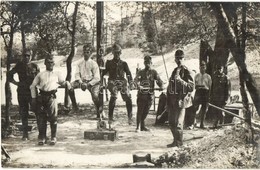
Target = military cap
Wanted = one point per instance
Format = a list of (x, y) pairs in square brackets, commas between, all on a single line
[(203, 63), (27, 52), (147, 58), (219, 66), (116, 47), (179, 54)]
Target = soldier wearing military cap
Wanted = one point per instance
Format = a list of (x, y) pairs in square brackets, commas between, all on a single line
[(87, 77), (178, 98), (45, 104), (203, 85), (144, 81), (26, 71), (117, 82), (221, 88)]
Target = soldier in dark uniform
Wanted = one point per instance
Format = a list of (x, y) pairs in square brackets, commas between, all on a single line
[(46, 104), (26, 72), (116, 68), (144, 81), (178, 98), (221, 87)]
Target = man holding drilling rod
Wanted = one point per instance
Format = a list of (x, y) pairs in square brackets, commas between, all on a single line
[(144, 81)]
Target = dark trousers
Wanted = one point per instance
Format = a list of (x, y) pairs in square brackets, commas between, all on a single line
[(176, 117), (218, 115), (201, 98), (47, 111), (115, 86), (144, 102), (24, 104)]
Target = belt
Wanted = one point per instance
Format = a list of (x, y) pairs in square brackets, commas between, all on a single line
[(48, 93)]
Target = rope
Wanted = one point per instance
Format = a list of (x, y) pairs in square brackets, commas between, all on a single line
[(156, 30)]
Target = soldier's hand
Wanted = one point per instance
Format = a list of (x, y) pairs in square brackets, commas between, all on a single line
[(131, 86), (68, 85), (34, 104), (226, 102), (84, 86)]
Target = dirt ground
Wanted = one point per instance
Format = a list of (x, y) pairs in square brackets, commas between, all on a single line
[(203, 148), (221, 148)]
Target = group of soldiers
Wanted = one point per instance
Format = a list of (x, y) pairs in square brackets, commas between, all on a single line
[(39, 89)]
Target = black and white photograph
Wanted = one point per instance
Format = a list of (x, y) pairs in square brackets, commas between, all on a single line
[(130, 84)]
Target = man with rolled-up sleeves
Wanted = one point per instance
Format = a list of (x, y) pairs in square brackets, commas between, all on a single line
[(45, 104)]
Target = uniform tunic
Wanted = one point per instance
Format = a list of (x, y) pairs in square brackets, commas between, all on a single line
[(118, 83), (145, 78), (176, 103), (26, 73)]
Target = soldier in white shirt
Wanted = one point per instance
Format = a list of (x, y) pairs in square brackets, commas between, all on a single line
[(203, 84), (45, 105), (87, 77)]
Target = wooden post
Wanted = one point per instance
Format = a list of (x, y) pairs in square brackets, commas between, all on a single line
[(100, 50)]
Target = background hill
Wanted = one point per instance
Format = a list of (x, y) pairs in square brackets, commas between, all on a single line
[(134, 58)]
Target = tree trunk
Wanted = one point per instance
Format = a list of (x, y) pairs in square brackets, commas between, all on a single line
[(7, 83), (23, 37), (252, 86), (206, 55), (72, 52)]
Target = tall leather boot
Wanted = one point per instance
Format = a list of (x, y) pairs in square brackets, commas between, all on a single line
[(73, 100), (129, 108), (179, 136), (42, 132), (53, 133), (173, 144), (111, 108), (143, 128), (25, 128), (97, 107)]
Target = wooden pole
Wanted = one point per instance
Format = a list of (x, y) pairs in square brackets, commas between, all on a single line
[(100, 50)]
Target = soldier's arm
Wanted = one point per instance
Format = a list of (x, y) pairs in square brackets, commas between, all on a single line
[(11, 76), (189, 84), (170, 86), (128, 73), (210, 83), (33, 89), (137, 80), (158, 79), (61, 81), (96, 75), (77, 74), (104, 72), (228, 92), (35, 82)]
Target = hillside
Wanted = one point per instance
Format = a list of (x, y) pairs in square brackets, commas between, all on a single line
[(203, 148)]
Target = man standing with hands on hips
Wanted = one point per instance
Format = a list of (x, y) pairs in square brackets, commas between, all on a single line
[(116, 69), (178, 98), (46, 104), (26, 71)]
